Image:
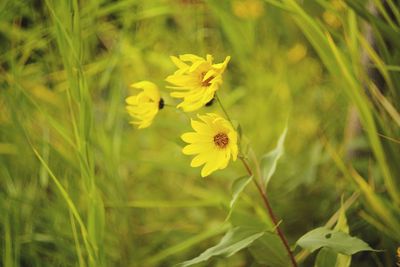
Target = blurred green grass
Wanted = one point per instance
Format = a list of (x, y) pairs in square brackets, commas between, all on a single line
[(106, 194)]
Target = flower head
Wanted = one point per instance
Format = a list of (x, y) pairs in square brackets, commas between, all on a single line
[(214, 142), (196, 80), (248, 9), (144, 106)]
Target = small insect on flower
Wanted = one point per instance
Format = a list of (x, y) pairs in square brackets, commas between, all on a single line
[(196, 80), (214, 142), (144, 106)]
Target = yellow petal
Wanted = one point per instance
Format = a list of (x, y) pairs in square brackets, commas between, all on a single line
[(208, 168), (152, 92), (225, 157), (195, 94), (234, 152), (149, 89), (200, 127), (221, 161), (178, 94), (190, 57), (199, 160), (141, 85), (209, 74), (131, 100), (207, 96), (196, 138), (213, 122), (193, 149), (178, 88), (187, 81), (189, 106), (178, 62), (196, 65), (222, 65), (212, 164)]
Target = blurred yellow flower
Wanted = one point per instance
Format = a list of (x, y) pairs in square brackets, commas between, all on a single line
[(248, 9), (144, 106), (297, 53), (331, 16), (214, 142), (331, 19), (339, 5), (196, 81)]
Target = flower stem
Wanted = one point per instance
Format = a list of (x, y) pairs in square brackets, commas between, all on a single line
[(263, 194), (271, 214), (223, 109)]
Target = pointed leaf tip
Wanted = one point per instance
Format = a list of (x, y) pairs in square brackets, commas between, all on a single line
[(270, 160)]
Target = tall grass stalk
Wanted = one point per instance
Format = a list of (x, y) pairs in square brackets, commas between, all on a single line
[(68, 33)]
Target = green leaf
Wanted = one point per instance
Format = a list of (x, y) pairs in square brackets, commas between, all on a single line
[(237, 187), (384, 29), (270, 160), (338, 241), (249, 220), (96, 221), (270, 251), (343, 260), (234, 240), (327, 257), (341, 224)]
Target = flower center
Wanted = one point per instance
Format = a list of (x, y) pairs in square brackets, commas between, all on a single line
[(206, 82), (221, 140)]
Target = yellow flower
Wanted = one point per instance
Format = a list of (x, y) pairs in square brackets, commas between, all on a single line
[(214, 142), (248, 9), (297, 53), (332, 16), (331, 19), (144, 106), (196, 80)]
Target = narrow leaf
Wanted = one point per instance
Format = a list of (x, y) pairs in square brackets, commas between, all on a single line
[(270, 160), (237, 187), (234, 240), (270, 251), (341, 224)]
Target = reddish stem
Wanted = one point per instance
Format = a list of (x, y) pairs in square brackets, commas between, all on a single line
[(270, 213)]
